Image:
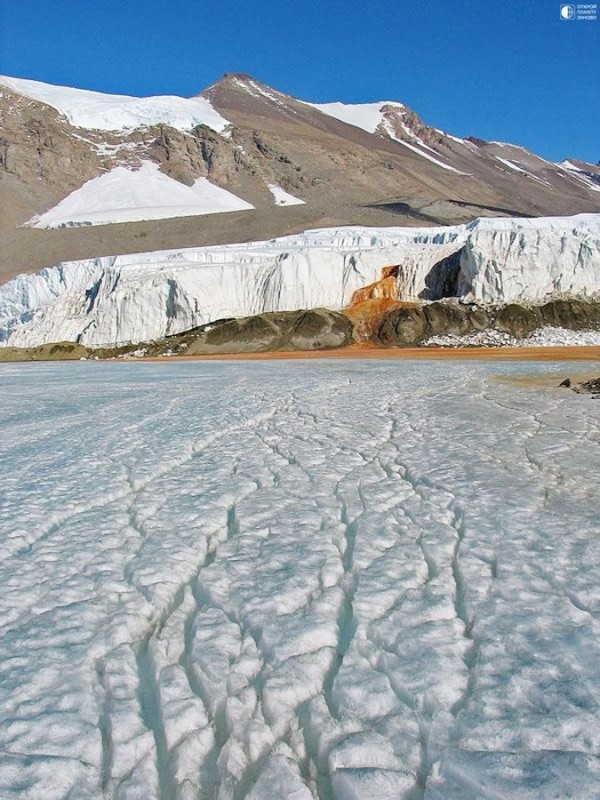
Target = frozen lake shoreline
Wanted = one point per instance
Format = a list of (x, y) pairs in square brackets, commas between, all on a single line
[(324, 579)]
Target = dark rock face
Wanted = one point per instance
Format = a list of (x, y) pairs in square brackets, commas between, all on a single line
[(403, 326), (480, 318), (588, 387), (443, 318), (409, 326), (517, 320), (317, 329), (572, 314)]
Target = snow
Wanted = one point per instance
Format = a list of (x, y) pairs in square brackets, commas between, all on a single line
[(372, 117), (585, 177), (510, 165), (256, 90), (568, 165), (368, 116), (516, 168), (126, 195), (456, 139), (428, 157), (146, 296), (113, 112), (299, 580), (283, 198)]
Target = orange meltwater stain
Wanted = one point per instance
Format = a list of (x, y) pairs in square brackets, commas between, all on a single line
[(371, 303)]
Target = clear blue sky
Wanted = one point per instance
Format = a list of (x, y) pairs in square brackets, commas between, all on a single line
[(498, 69)]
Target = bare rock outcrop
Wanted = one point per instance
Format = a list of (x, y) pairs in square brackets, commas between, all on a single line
[(409, 326), (315, 329)]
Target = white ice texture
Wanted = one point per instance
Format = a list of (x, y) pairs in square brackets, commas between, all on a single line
[(272, 581), (127, 195), (114, 112), (145, 296)]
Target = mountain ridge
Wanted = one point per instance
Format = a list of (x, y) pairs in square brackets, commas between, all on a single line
[(384, 167)]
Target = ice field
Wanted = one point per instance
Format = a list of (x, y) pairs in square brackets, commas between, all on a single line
[(283, 581)]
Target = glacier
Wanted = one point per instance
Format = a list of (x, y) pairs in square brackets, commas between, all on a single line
[(145, 296), (100, 111), (266, 581)]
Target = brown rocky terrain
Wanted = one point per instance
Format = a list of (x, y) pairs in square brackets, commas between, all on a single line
[(408, 326), (344, 174), (367, 325), (316, 329)]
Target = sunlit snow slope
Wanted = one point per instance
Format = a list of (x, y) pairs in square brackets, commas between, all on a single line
[(148, 295), (126, 195), (275, 581), (113, 112)]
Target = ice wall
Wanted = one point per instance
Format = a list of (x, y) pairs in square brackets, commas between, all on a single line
[(145, 296), (531, 263)]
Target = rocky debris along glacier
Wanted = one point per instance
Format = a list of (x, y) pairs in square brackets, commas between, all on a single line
[(455, 324)]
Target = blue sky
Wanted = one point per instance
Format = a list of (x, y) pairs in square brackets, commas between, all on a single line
[(499, 69)]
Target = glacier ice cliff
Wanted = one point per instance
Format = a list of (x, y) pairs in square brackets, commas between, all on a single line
[(109, 300)]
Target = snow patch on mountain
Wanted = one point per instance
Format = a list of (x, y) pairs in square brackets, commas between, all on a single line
[(114, 112), (149, 295), (283, 198), (456, 139), (368, 116), (125, 195), (516, 168), (590, 179), (435, 161), (510, 165), (566, 164), (374, 118), (256, 90)]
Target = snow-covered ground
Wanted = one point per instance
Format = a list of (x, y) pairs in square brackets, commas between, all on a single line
[(283, 198), (302, 580), (127, 195), (146, 296), (115, 112), (368, 116)]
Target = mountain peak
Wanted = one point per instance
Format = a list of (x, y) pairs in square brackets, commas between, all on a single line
[(239, 76), (237, 82)]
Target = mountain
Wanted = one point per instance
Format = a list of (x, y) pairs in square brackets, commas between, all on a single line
[(84, 173)]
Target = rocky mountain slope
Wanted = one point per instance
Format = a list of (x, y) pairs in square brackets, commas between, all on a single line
[(282, 165)]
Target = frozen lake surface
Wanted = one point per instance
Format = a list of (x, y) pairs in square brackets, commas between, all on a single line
[(284, 581)]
